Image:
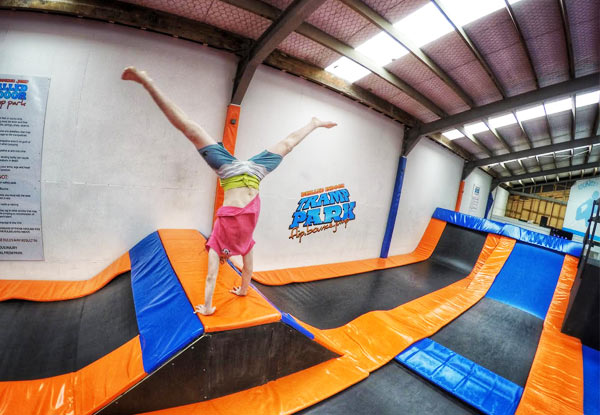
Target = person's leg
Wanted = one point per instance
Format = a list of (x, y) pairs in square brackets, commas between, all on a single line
[(246, 274), (287, 144), (194, 132), (209, 288)]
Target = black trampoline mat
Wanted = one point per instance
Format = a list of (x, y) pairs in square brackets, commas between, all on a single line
[(497, 336), (334, 302), (43, 339), (393, 389)]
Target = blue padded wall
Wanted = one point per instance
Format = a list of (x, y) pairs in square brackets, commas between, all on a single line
[(528, 279), (591, 381), (166, 318), (524, 235)]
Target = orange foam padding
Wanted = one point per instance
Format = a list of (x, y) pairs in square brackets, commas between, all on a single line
[(81, 392), (555, 382), (189, 259), (461, 190), (49, 396), (62, 290), (229, 140), (423, 251), (102, 381), (373, 339), (285, 395), (365, 344)]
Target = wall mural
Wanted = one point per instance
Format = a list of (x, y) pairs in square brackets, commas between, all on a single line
[(325, 209)]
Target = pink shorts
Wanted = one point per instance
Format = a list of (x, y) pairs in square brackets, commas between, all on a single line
[(233, 229)]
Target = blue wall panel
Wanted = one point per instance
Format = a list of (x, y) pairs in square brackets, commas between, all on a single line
[(591, 381), (166, 318), (528, 279)]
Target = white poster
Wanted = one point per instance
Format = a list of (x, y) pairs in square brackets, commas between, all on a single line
[(583, 193), (474, 204), (22, 113)]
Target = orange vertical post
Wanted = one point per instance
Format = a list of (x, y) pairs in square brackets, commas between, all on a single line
[(461, 190), (229, 140)]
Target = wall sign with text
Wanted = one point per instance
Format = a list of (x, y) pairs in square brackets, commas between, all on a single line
[(581, 199), (22, 113), (326, 209)]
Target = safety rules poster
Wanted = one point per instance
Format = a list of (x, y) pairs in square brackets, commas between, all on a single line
[(22, 113)]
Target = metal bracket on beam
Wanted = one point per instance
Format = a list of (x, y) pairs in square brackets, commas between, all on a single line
[(467, 169), (287, 22), (411, 139)]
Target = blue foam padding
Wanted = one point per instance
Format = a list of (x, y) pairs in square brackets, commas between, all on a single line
[(165, 317), (476, 385), (528, 279), (591, 381), (467, 221), (291, 321), (545, 241), (391, 222)]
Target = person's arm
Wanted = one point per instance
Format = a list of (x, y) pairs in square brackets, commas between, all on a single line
[(287, 144), (194, 132)]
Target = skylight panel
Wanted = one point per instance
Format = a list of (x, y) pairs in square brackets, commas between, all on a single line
[(425, 25), (558, 106), (463, 12), (382, 48), (347, 69), (502, 121), (587, 99), (531, 113), (452, 134), (476, 128)]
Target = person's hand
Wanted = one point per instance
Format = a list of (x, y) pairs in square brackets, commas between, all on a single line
[(326, 124), (238, 291), (132, 74), (205, 311)]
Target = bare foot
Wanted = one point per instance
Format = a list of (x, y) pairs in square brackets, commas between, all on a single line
[(326, 124), (202, 309), (132, 74), (238, 291)]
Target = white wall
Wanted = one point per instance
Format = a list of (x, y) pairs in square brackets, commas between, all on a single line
[(500, 201), (362, 152), (113, 169), (469, 204), (431, 180)]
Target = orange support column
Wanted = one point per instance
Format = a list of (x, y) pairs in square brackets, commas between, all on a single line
[(461, 190), (229, 139)]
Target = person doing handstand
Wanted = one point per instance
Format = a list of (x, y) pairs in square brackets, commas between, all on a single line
[(237, 218)]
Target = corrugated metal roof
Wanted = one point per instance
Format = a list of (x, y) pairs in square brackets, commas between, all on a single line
[(495, 36)]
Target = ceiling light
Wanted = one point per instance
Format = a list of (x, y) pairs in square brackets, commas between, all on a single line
[(347, 69), (452, 134), (531, 113), (558, 106), (476, 128), (425, 25), (382, 48), (587, 99), (503, 120)]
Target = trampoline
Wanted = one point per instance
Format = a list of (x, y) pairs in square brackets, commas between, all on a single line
[(489, 297), (334, 302)]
